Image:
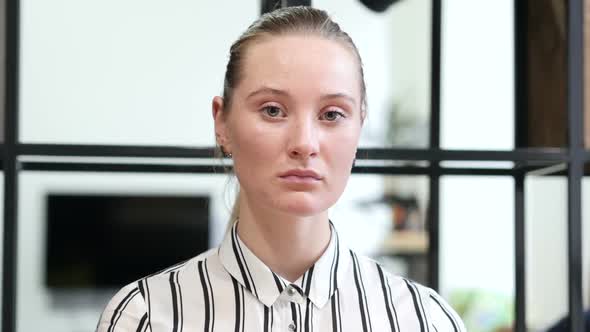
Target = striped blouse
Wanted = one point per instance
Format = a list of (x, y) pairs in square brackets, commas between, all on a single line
[(230, 289)]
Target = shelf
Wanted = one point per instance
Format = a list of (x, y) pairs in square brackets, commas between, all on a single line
[(406, 243)]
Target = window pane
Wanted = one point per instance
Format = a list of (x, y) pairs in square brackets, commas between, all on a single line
[(477, 78), (477, 249), (56, 292), (546, 246), (395, 48), (125, 72), (384, 217)]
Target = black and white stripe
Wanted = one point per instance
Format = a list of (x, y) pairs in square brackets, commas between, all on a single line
[(336, 315), (177, 303), (333, 289), (387, 297), (296, 316), (279, 282), (419, 307), (306, 282), (362, 294), (244, 269), (121, 308), (143, 323), (308, 324), (239, 306), (230, 289), (207, 296), (267, 319), (446, 311), (334, 269)]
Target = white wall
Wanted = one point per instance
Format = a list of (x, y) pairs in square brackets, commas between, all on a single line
[(125, 72)]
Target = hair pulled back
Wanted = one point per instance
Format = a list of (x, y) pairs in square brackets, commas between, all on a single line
[(285, 21)]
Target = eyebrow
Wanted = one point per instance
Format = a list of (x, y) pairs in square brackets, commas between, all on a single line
[(286, 94)]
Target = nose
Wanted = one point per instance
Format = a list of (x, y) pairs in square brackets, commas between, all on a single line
[(304, 142)]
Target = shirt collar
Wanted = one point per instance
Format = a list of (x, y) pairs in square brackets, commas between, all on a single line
[(318, 283)]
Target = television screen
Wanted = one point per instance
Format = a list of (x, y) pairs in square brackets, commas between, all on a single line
[(107, 241)]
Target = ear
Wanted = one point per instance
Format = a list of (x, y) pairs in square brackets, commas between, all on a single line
[(220, 121), (363, 116)]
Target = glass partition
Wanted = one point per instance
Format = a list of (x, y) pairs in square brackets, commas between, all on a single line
[(477, 249), (546, 251)]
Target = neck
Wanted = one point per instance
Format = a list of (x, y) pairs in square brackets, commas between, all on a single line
[(289, 245)]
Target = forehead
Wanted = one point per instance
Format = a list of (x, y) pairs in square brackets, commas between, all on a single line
[(301, 63)]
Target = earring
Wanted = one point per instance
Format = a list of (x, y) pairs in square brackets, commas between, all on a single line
[(225, 154)]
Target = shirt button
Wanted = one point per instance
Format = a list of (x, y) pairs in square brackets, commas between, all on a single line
[(291, 327), (291, 291)]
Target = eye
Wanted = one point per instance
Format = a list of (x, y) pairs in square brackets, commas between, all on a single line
[(331, 115), (272, 111)]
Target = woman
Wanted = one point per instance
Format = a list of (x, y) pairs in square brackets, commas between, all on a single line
[(290, 118)]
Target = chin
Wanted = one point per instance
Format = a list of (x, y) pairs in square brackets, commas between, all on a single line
[(303, 205)]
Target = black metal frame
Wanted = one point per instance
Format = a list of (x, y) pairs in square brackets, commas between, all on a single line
[(575, 111), (527, 161)]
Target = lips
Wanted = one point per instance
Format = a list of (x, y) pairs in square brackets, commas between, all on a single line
[(302, 174)]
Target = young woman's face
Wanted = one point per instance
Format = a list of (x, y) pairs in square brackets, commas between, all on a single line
[(294, 123)]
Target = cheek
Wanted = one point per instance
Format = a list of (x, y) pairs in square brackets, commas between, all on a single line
[(343, 144), (342, 151), (253, 148)]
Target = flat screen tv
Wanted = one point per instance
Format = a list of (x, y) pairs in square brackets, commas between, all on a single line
[(107, 241)]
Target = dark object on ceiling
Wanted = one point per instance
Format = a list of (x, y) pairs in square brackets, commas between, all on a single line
[(378, 5)]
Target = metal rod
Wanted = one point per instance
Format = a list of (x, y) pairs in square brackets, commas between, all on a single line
[(432, 154), (216, 168), (124, 168), (575, 107), (80, 150), (520, 253), (10, 243), (434, 184), (521, 91), (436, 154)]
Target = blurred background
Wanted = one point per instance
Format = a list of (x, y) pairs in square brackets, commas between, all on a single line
[(143, 73)]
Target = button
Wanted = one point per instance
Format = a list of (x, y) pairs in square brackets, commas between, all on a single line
[(292, 327), (291, 291)]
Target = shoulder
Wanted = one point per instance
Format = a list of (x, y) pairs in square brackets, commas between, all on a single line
[(129, 308), (125, 311), (419, 300)]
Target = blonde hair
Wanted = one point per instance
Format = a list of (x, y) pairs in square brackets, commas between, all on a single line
[(284, 21)]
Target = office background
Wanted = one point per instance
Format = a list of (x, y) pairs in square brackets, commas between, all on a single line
[(143, 73)]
